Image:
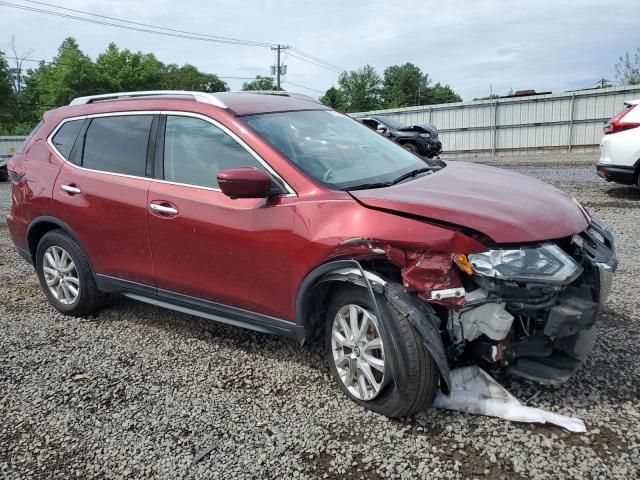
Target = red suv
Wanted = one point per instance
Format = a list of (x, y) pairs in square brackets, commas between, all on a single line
[(276, 213)]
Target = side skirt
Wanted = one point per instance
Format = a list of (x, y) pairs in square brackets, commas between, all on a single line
[(198, 307)]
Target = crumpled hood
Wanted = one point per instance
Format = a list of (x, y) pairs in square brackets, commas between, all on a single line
[(505, 206)]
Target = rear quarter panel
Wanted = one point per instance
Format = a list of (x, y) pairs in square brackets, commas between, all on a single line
[(31, 197)]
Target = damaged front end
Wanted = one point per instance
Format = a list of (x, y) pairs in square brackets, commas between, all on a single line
[(532, 310)]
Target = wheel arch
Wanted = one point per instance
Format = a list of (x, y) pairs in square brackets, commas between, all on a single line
[(312, 293), (40, 226), (331, 275)]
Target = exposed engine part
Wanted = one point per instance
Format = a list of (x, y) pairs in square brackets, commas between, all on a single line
[(576, 311), (447, 293), (490, 319), (519, 295)]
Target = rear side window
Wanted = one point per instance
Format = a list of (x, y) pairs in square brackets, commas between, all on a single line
[(118, 144), (66, 136)]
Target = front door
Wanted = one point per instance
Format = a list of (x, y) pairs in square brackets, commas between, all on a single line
[(204, 244)]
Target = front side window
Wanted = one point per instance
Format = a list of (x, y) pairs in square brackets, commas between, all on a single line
[(196, 150), (335, 150), (391, 123), (118, 144), (66, 136)]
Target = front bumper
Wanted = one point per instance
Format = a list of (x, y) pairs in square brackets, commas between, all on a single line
[(616, 173), (569, 334), (428, 147)]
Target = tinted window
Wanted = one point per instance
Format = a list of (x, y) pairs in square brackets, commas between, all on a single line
[(390, 122), (196, 150), (118, 144), (66, 136)]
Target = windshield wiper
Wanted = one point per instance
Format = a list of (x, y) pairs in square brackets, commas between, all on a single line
[(367, 186), (411, 174)]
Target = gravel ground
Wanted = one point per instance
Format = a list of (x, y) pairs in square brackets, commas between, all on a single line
[(138, 392)]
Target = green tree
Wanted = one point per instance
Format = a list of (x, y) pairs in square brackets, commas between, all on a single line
[(493, 96), (333, 98), (405, 85), (443, 94), (6, 95), (188, 77), (260, 83), (628, 68), (124, 70), (361, 89), (71, 74)]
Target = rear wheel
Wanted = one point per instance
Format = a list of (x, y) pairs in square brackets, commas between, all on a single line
[(379, 363), (65, 275)]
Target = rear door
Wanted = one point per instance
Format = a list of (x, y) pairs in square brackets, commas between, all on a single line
[(101, 191)]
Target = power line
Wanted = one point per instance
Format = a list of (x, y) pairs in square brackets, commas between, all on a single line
[(216, 37), (159, 30), (314, 63), (33, 60), (319, 60), (125, 27), (302, 86)]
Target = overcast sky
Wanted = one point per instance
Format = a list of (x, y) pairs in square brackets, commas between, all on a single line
[(542, 45)]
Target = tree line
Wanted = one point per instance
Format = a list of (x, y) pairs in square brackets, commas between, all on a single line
[(25, 94), (399, 86)]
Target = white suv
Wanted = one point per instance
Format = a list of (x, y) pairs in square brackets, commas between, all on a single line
[(620, 146)]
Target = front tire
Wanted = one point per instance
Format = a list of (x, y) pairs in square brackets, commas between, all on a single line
[(65, 275), (380, 364), (411, 147)]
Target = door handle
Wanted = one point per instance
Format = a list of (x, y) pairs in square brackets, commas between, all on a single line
[(163, 209), (70, 189)]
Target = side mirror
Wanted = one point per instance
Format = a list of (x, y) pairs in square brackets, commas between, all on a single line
[(381, 129), (245, 182)]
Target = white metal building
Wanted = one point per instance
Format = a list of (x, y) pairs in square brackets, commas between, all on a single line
[(567, 121)]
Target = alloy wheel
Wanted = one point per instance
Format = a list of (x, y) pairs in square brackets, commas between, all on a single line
[(61, 275), (358, 351)]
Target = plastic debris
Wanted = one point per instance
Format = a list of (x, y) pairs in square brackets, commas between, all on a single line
[(474, 391)]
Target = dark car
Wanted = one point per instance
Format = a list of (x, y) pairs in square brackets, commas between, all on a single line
[(421, 139), (276, 213), (3, 168)]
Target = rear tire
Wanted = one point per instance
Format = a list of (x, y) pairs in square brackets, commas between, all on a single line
[(66, 276), (409, 378)]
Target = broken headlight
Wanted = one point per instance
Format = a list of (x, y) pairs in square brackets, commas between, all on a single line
[(545, 263)]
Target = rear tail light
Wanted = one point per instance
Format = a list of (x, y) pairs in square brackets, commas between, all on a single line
[(616, 125)]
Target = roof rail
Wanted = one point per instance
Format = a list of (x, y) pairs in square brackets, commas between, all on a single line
[(284, 93), (201, 97)]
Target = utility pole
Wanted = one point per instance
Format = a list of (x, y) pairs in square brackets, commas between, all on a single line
[(279, 69)]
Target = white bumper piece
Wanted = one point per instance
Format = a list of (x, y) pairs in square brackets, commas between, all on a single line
[(474, 391)]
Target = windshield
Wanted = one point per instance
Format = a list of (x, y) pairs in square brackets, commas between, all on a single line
[(390, 122), (335, 150)]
